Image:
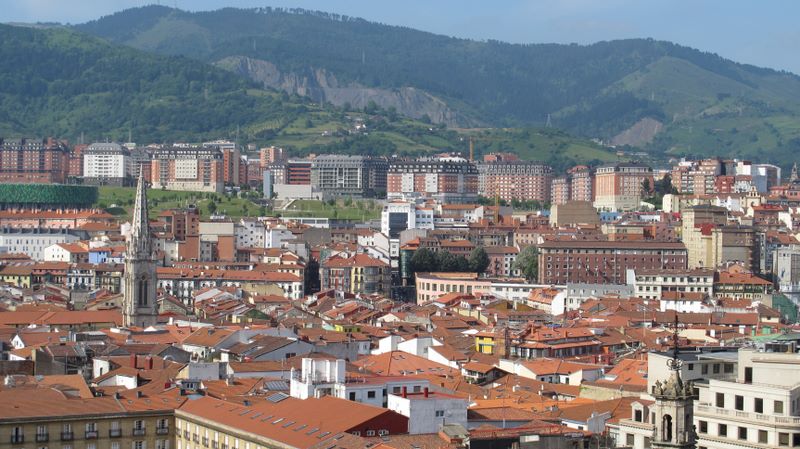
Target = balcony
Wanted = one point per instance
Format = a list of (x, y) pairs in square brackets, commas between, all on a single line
[(162, 430), (737, 415), (17, 439), (138, 432), (67, 436), (90, 435), (114, 433), (42, 437)]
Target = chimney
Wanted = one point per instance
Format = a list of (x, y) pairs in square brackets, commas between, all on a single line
[(117, 395), (425, 392), (133, 360), (183, 392), (405, 392), (246, 403), (139, 394), (149, 362)]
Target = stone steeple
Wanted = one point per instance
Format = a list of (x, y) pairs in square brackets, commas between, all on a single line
[(139, 280), (673, 409), (793, 178)]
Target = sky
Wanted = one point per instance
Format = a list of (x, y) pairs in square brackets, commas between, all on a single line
[(763, 33)]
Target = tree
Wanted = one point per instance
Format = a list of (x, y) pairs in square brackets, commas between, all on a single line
[(423, 260), (478, 260), (212, 207), (528, 263), (647, 188)]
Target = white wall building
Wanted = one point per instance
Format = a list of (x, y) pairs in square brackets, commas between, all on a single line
[(428, 411), (33, 242), (106, 163)]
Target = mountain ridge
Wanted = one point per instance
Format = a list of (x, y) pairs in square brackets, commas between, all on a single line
[(600, 90)]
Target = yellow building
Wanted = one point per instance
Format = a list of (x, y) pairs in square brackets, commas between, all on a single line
[(37, 418), (485, 342), (18, 276)]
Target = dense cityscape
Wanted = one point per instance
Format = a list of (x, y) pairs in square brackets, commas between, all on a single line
[(242, 293)]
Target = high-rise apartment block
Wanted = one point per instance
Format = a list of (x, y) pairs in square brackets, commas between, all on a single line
[(33, 161), (515, 180)]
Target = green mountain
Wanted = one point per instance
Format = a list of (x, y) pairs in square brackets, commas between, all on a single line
[(655, 95), (62, 83)]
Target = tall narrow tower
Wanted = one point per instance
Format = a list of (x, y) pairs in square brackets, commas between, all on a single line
[(673, 409), (139, 281)]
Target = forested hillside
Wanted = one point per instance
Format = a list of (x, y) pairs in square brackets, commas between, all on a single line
[(651, 94)]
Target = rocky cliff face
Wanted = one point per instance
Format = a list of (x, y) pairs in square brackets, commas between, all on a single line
[(321, 86)]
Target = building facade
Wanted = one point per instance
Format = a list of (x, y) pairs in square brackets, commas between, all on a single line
[(603, 261), (515, 180), (619, 187), (106, 164), (30, 161), (343, 175), (187, 168), (447, 180)]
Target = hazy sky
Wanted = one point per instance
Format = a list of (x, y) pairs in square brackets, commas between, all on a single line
[(764, 33)]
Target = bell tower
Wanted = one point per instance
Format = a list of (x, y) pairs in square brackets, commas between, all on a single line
[(673, 416), (139, 281)]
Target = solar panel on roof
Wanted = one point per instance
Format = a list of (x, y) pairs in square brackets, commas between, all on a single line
[(256, 415), (276, 385), (277, 397), (277, 421), (290, 423), (301, 427), (323, 435), (312, 430)]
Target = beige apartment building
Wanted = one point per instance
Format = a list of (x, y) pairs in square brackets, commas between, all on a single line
[(47, 418)]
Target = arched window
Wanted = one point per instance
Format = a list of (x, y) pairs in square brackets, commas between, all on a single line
[(666, 428), (141, 298)]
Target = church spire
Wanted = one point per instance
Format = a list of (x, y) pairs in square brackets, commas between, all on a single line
[(139, 245), (140, 308), (793, 177)]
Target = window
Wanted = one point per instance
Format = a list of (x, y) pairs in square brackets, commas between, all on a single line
[(66, 446), (91, 446), (629, 439), (758, 405), (703, 426), (704, 370), (370, 433), (796, 439), (690, 367), (777, 406), (138, 424), (742, 433), (716, 368), (739, 402), (637, 415), (783, 439), (728, 368), (720, 398), (352, 396), (115, 445), (439, 413), (138, 445), (395, 390), (762, 436), (723, 430), (371, 394)]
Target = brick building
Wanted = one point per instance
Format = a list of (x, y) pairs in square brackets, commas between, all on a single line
[(515, 180), (187, 168), (448, 180), (618, 187), (32, 161), (603, 261)]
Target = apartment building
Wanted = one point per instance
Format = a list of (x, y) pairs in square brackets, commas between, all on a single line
[(652, 284), (28, 161), (106, 164), (447, 180), (59, 417), (187, 168), (33, 241), (603, 261), (759, 407), (344, 175), (359, 273), (515, 180), (618, 187), (710, 241)]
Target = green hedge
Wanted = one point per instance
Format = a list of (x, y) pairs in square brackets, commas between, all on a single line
[(48, 194)]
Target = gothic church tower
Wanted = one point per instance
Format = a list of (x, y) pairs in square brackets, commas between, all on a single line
[(139, 280)]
